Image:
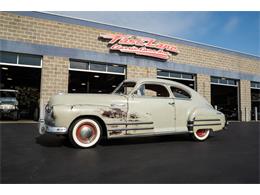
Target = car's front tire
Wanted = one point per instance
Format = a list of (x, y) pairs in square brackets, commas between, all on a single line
[(200, 134), (85, 133)]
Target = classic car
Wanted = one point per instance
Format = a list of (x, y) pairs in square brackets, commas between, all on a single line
[(9, 104), (138, 107)]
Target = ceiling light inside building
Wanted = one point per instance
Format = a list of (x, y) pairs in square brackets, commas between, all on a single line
[(96, 76), (73, 89), (9, 79), (113, 86), (4, 68), (115, 65), (83, 83), (99, 91)]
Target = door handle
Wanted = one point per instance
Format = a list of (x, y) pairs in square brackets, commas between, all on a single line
[(171, 103), (117, 105)]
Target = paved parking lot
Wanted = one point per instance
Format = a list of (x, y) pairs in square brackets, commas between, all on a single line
[(231, 156)]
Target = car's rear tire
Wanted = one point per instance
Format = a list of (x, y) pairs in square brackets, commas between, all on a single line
[(200, 134), (85, 133)]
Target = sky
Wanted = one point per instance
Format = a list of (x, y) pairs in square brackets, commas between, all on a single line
[(239, 31)]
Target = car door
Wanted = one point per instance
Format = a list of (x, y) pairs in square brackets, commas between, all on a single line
[(152, 108), (183, 106)]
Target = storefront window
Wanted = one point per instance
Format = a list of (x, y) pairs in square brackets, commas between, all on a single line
[(98, 67), (163, 73), (93, 66), (225, 81), (22, 59), (175, 75), (7, 57), (187, 76), (115, 68), (29, 59), (79, 65)]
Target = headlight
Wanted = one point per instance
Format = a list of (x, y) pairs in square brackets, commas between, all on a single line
[(48, 108)]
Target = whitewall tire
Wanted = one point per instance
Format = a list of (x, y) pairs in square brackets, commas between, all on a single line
[(200, 134), (85, 133)]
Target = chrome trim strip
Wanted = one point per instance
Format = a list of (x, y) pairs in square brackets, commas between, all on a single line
[(207, 120), (131, 129), (131, 123), (193, 125), (149, 134)]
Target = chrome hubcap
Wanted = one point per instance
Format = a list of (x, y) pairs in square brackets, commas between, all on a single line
[(86, 133), (201, 132)]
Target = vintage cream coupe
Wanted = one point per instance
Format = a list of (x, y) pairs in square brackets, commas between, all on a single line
[(141, 107)]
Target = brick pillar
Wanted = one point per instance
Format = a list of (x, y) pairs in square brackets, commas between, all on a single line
[(141, 72), (54, 78), (204, 86), (245, 100)]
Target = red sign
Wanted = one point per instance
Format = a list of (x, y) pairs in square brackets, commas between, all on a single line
[(140, 46)]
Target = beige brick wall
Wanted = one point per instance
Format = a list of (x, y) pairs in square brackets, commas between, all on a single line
[(204, 86), (54, 77), (40, 31), (141, 72), (245, 100)]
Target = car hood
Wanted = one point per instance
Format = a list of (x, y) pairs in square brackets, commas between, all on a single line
[(8, 100), (86, 99)]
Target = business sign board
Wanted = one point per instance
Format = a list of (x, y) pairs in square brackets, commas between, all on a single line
[(140, 46)]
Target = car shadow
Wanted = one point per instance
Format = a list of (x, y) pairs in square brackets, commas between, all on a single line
[(59, 141), (53, 141), (147, 140)]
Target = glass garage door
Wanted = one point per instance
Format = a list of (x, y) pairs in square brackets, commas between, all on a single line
[(184, 78), (224, 97), (94, 77), (255, 101), (21, 73)]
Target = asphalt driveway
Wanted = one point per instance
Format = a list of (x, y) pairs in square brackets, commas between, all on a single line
[(230, 156)]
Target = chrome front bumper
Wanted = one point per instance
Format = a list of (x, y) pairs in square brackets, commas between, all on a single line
[(43, 128)]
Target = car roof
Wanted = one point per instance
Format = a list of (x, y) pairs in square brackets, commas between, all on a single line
[(163, 81)]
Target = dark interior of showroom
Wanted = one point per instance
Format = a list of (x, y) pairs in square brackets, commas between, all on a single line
[(90, 82), (27, 81), (225, 99), (255, 106)]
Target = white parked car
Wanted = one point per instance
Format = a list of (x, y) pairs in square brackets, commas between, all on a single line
[(9, 103), (141, 107)]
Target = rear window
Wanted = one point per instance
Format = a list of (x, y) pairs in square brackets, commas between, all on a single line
[(152, 90), (180, 93)]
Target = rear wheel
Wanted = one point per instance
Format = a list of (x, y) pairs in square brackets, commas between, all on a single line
[(200, 134), (85, 133)]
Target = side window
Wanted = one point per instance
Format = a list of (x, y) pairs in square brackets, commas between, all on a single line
[(179, 93), (152, 90)]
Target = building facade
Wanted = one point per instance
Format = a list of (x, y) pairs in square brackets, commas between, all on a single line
[(48, 54)]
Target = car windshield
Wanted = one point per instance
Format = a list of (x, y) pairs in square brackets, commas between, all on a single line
[(125, 88), (9, 94)]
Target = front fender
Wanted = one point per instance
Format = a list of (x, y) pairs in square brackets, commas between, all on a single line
[(65, 115)]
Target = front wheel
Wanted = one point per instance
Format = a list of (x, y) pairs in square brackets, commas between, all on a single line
[(85, 133), (200, 134)]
